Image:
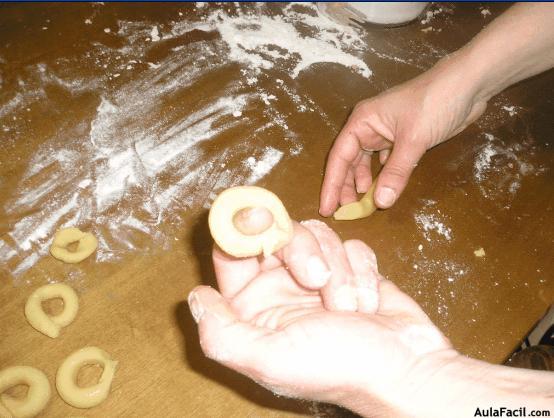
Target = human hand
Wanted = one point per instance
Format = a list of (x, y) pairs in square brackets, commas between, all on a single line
[(400, 124), (271, 324)]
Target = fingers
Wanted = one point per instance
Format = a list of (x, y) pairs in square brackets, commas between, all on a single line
[(396, 172), (339, 293), (360, 133), (269, 290), (342, 154), (348, 192), (394, 302), (222, 336), (253, 221), (383, 156), (362, 173), (366, 278), (232, 273), (305, 260)]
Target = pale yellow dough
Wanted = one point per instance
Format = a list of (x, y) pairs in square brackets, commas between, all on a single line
[(37, 397), (357, 210), (51, 325), (231, 240), (87, 244), (66, 376)]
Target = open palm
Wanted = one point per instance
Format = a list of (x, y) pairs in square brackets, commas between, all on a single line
[(272, 326)]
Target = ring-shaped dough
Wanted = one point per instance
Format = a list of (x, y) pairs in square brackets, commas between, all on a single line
[(86, 246), (38, 393), (51, 325), (231, 240), (66, 376)]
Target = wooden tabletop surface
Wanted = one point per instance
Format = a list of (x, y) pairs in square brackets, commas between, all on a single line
[(127, 119)]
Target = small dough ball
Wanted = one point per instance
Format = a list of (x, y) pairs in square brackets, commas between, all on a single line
[(239, 244), (87, 244)]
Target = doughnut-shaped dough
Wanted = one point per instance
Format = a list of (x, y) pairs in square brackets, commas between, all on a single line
[(38, 393), (356, 210), (51, 325), (234, 242), (87, 245), (66, 376)]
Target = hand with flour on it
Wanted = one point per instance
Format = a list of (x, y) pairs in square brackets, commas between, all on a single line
[(268, 326), (269, 322), (404, 122)]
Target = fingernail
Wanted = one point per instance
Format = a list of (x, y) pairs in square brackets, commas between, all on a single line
[(317, 271), (346, 299), (195, 307), (385, 197)]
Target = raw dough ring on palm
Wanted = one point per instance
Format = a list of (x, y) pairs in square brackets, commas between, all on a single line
[(225, 233), (87, 245), (66, 376), (38, 393), (51, 325)]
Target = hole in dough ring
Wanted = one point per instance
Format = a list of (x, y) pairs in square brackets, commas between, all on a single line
[(87, 244), (37, 397), (231, 240), (66, 376), (51, 325)]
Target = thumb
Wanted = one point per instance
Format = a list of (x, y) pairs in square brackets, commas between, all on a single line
[(223, 337), (397, 170)]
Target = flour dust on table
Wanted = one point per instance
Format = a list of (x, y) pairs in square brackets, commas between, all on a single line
[(123, 167)]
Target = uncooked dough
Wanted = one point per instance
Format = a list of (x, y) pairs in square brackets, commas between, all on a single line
[(238, 244), (66, 376), (51, 325), (357, 210), (87, 245), (38, 393)]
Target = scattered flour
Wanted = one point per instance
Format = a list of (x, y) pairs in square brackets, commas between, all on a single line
[(155, 34), (512, 110), (430, 15), (432, 223), (498, 168), (485, 12), (261, 42), (262, 166), (127, 167)]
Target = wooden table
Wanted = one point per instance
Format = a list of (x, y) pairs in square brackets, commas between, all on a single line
[(86, 88)]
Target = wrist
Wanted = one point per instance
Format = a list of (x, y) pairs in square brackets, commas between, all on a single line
[(447, 382), (466, 76), (461, 385), (413, 395)]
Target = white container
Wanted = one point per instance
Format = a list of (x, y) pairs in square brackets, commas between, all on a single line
[(380, 13), (389, 13)]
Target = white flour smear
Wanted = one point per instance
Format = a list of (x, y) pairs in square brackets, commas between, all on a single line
[(498, 168), (431, 222), (130, 166), (261, 42)]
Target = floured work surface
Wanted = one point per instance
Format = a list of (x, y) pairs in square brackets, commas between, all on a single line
[(127, 120)]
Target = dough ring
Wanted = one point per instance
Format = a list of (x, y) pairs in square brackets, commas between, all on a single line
[(38, 393), (238, 244), (66, 376), (87, 245), (51, 325)]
